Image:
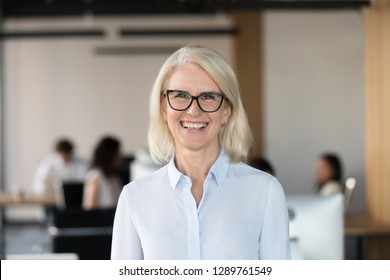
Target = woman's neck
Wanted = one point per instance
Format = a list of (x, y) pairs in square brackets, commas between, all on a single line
[(196, 164)]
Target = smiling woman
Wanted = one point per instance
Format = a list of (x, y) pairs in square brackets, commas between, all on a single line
[(204, 203), (205, 71)]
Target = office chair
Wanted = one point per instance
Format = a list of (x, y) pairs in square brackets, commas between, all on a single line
[(350, 184), (124, 169), (69, 194), (86, 233)]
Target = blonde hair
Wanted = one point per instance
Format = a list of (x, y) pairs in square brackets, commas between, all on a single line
[(235, 136)]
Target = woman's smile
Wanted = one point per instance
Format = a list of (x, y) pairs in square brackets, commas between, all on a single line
[(193, 125)]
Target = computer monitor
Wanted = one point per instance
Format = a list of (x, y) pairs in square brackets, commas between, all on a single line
[(316, 226), (45, 256)]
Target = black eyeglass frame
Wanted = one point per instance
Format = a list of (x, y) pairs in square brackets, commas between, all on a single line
[(168, 91)]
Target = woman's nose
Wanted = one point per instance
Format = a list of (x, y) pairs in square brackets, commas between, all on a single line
[(194, 108)]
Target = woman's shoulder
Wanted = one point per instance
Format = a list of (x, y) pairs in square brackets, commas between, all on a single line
[(93, 173), (242, 169), (331, 187), (93, 170), (251, 176), (254, 182)]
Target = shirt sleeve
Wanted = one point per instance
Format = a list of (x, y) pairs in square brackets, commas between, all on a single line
[(126, 244), (274, 238), (42, 176)]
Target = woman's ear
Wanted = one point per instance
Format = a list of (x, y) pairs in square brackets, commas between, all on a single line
[(163, 108), (227, 110)]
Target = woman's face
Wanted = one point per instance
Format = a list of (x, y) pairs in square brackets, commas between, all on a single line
[(323, 171), (194, 129)]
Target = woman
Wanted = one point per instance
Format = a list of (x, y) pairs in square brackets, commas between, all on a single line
[(205, 203), (329, 174), (102, 186)]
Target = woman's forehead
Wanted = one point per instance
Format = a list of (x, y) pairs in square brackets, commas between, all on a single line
[(191, 77)]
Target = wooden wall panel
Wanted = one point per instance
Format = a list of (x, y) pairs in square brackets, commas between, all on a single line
[(248, 65), (377, 21)]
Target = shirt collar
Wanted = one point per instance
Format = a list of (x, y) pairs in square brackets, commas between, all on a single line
[(219, 170), (220, 167), (173, 173)]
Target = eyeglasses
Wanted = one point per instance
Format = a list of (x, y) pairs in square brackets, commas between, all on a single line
[(208, 102)]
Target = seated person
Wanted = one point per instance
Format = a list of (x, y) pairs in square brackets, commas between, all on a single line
[(102, 186), (329, 174), (61, 165)]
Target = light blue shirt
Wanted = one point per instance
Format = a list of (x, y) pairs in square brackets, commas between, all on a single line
[(242, 215)]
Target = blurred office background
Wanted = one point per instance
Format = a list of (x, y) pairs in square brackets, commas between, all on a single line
[(85, 68)]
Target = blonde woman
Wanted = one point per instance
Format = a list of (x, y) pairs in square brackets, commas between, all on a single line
[(204, 203)]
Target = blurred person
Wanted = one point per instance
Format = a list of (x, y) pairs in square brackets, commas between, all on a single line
[(102, 183), (61, 165), (262, 164), (329, 174), (204, 203)]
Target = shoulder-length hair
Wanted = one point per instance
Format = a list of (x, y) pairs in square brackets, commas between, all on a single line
[(235, 136), (334, 162), (105, 153)]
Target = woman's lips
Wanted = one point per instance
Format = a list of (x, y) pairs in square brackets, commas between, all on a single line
[(193, 125)]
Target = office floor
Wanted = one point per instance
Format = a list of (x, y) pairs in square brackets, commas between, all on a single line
[(26, 239)]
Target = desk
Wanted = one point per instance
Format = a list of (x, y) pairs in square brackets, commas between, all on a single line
[(364, 227), (8, 198), (12, 198)]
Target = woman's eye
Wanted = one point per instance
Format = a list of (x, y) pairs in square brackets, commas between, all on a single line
[(181, 95), (208, 96)]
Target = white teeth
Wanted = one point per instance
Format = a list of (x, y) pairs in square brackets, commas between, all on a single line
[(194, 125)]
